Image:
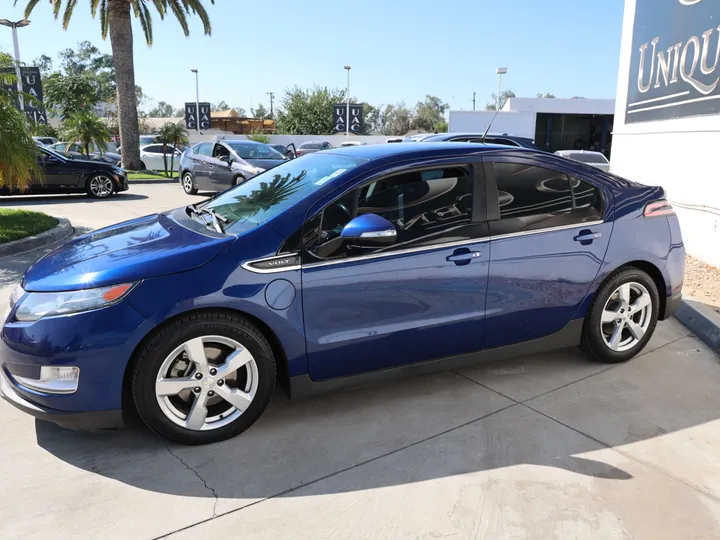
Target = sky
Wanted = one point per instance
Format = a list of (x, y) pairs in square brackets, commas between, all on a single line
[(399, 50)]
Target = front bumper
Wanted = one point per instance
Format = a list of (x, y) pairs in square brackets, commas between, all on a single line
[(91, 420), (121, 183)]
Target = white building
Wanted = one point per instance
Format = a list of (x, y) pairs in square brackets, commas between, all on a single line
[(554, 124), (667, 118)]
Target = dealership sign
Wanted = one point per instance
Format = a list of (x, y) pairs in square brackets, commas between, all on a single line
[(675, 62), (32, 88), (340, 118), (193, 118)]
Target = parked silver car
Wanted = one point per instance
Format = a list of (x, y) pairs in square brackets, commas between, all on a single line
[(594, 159), (218, 165)]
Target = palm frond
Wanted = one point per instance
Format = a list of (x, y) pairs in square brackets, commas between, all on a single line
[(68, 13), (198, 8), (30, 6), (179, 10), (18, 152)]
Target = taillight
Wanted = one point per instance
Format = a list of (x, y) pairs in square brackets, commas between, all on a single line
[(658, 208)]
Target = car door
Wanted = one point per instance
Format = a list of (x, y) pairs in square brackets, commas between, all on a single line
[(549, 236), (57, 173), (419, 299), (152, 156), (201, 172), (220, 171)]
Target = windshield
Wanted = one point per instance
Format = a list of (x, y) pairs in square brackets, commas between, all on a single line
[(588, 158), (265, 196), (255, 151)]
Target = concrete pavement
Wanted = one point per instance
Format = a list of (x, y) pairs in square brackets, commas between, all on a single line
[(548, 446)]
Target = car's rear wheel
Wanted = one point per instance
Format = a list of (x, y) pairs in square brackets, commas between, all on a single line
[(188, 184), (205, 378), (100, 186), (622, 317)]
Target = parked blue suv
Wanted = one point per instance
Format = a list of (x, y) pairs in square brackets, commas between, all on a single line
[(341, 267)]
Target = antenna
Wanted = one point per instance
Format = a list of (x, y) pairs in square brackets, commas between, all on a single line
[(489, 126)]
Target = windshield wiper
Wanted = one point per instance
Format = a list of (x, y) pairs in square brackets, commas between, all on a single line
[(214, 216)]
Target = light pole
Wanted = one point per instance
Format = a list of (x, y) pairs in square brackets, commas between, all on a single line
[(500, 72), (197, 100), (272, 96), (347, 112), (473, 101), (18, 73)]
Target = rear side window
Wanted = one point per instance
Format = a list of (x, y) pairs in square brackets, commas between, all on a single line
[(204, 149), (154, 149), (532, 198)]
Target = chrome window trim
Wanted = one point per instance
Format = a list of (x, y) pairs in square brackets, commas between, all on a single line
[(247, 264), (548, 229), (458, 243)]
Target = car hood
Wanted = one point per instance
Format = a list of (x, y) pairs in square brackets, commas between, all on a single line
[(266, 163), (143, 248)]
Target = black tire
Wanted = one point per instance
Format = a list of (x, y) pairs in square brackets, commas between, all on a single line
[(188, 183), (238, 180), (151, 357), (142, 166), (593, 342), (100, 186)]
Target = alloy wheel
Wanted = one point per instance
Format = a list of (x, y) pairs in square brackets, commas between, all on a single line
[(206, 383), (101, 186), (626, 316), (187, 183)]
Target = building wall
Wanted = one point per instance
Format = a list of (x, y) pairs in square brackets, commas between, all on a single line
[(682, 155), (520, 124)]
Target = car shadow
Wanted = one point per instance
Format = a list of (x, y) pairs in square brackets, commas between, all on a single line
[(32, 200), (419, 429)]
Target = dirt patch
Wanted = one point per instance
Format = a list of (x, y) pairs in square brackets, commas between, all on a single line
[(702, 282)]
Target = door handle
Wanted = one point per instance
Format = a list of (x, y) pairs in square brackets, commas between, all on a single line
[(458, 257), (587, 236)]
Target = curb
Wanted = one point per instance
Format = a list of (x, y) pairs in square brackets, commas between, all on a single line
[(703, 321), (62, 231), (153, 181)]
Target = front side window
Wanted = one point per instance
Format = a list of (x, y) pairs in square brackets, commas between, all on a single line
[(220, 151), (533, 198), (265, 196), (154, 149), (426, 207)]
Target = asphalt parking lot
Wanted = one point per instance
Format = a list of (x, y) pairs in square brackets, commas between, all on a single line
[(547, 446)]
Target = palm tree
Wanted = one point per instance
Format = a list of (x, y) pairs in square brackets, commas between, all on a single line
[(174, 134), (115, 19), (18, 152), (87, 129)]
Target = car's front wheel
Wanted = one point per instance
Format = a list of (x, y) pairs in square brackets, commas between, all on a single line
[(238, 180), (204, 378), (622, 317), (188, 184), (100, 186)]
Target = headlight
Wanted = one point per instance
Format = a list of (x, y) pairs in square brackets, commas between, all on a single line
[(258, 170), (34, 306)]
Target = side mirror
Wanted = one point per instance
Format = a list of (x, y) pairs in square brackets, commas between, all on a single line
[(370, 230)]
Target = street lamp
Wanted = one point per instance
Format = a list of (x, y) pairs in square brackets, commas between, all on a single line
[(197, 100), (347, 112), (18, 74), (500, 72)]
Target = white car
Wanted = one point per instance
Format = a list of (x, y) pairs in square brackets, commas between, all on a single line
[(594, 159), (45, 141), (152, 157), (347, 144)]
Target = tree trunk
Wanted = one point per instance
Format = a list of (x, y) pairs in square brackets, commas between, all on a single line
[(121, 41)]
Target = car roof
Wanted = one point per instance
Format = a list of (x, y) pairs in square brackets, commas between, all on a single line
[(376, 151), (244, 141)]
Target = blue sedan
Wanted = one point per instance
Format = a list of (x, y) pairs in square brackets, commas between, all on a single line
[(341, 267)]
